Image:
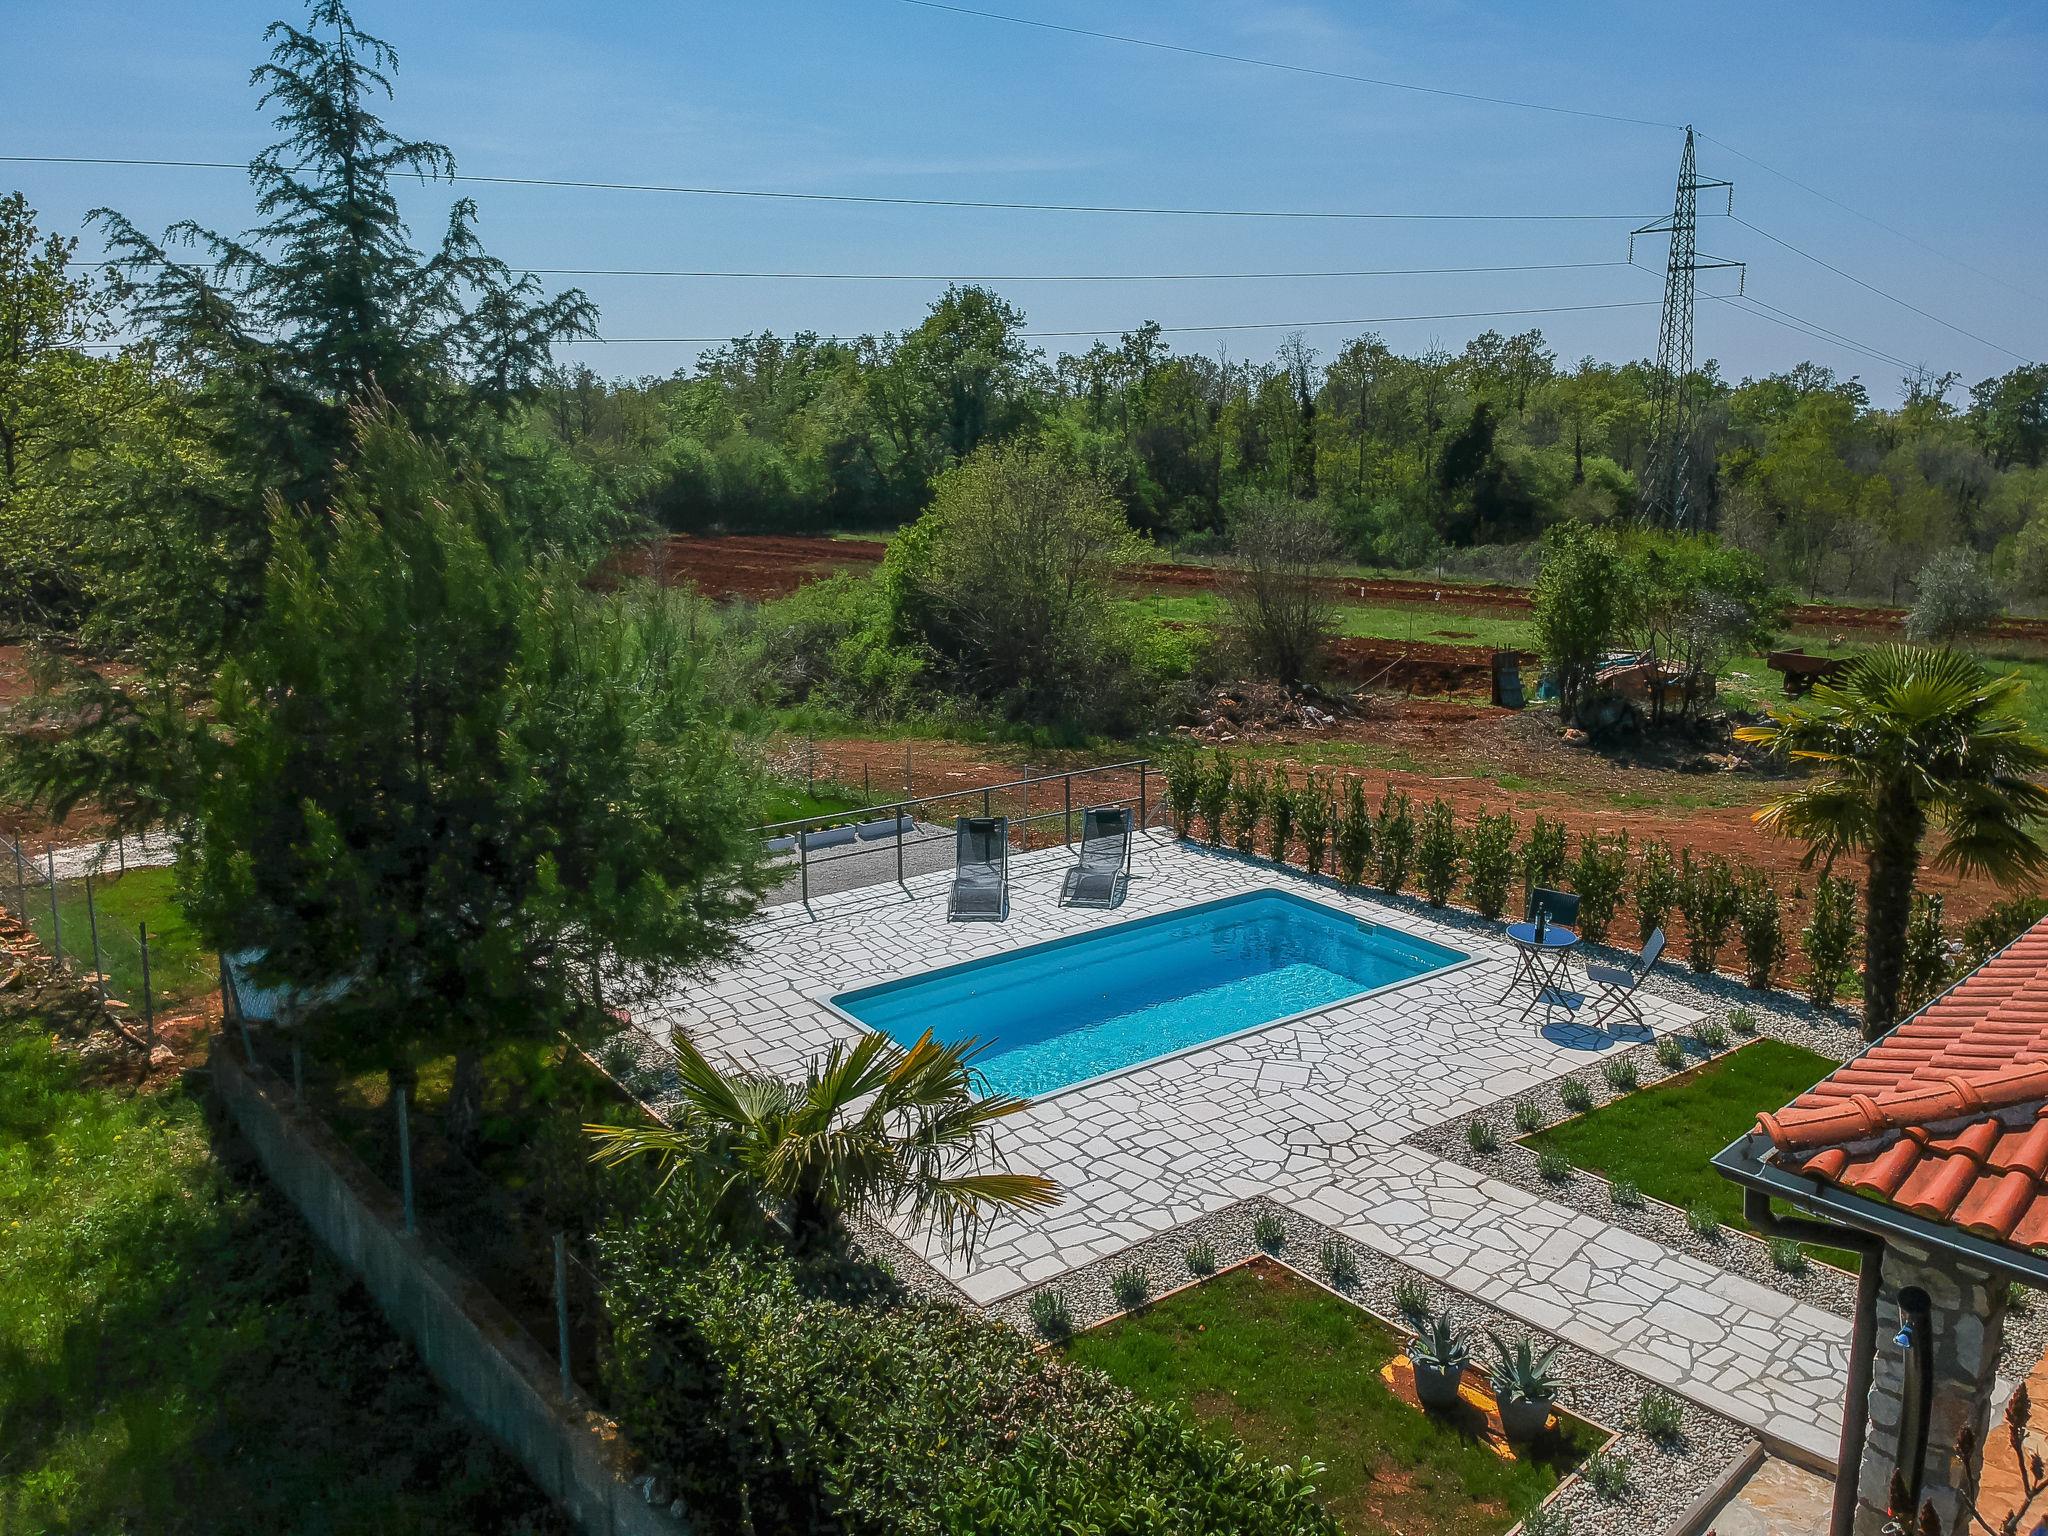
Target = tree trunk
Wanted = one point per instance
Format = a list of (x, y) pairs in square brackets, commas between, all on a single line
[(466, 1100), (1888, 904)]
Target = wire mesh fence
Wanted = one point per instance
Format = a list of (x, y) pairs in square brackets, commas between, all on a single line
[(874, 842), (111, 924)]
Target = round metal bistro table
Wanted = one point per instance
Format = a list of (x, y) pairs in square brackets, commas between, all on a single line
[(1542, 965)]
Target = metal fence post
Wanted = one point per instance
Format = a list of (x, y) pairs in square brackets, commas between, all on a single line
[(20, 884), (121, 853), (562, 1311), (1067, 813), (56, 922), (984, 802), (1141, 793), (908, 788), (92, 922), (803, 864), (405, 1164), (899, 847), (149, 1005)]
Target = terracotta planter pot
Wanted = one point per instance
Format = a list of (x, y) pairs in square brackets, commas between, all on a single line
[(1436, 1388), (1522, 1419)]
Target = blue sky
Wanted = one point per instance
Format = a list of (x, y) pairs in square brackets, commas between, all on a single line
[(1933, 117)]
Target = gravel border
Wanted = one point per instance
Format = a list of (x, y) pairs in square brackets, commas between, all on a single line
[(1665, 1483)]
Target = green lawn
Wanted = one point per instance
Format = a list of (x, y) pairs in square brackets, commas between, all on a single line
[(176, 1353), (1373, 621), (1663, 1136), (1293, 1371), (180, 967)]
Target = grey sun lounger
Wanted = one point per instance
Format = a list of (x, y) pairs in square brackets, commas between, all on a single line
[(981, 869), (1099, 876)]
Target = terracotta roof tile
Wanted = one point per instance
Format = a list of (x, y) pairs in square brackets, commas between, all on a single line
[(1947, 1116)]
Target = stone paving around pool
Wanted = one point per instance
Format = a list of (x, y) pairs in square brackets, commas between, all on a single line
[(1312, 1114)]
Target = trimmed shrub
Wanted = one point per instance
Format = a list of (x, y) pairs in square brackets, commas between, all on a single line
[(1436, 852), (1987, 935), (1543, 854), (1927, 968), (1707, 897), (1758, 917), (1354, 836), (1394, 832), (1312, 820), (1279, 816), (1490, 862), (1214, 798), (1599, 876), (1247, 806), (1654, 887), (1829, 939)]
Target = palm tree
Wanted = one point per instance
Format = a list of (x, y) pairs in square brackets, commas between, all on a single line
[(1907, 740), (872, 1127)]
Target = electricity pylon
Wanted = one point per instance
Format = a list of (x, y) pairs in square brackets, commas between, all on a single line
[(1668, 494)]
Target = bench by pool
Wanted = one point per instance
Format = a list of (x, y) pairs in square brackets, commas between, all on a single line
[(1065, 1012)]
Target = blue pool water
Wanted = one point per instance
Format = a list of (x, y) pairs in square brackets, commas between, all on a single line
[(1065, 1011)]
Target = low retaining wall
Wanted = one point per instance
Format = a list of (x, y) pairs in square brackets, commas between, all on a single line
[(474, 1348)]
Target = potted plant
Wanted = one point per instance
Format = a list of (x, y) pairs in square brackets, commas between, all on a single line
[(1525, 1386), (1440, 1352)]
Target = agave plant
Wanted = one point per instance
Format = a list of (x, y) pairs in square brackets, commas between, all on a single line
[(872, 1127), (1440, 1343), (1522, 1373)]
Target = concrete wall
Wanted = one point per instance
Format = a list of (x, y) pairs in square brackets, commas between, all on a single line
[(473, 1346), (1966, 1326)]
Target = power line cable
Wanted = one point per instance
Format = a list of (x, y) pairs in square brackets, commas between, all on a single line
[(1297, 69), (1751, 305), (1881, 293), (1030, 277), (875, 199), (1872, 219)]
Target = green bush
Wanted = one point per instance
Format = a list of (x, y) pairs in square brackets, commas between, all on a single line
[(1354, 836), (1050, 1314), (1201, 1259), (1279, 817), (1608, 1473), (1655, 888), (1436, 852), (1758, 919), (1528, 1116), (1669, 1053), (1625, 1193), (1712, 1035), (813, 1396), (1543, 854), (1553, 1167), (1394, 832), (1707, 896), (1927, 968), (1481, 1137), (1270, 1232), (1787, 1256), (1312, 822), (1620, 1072), (1214, 798), (1985, 936), (1742, 1021), (1247, 806), (1130, 1288), (1490, 860), (1829, 938), (1338, 1264), (1575, 1095), (1599, 876), (1704, 1220)]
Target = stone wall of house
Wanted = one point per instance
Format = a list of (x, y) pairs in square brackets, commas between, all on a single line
[(1966, 1324)]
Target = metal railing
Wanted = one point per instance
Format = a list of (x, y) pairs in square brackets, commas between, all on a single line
[(899, 821)]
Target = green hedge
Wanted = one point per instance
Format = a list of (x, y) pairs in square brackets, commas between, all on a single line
[(805, 1396)]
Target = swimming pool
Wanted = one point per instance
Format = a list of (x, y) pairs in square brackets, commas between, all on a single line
[(1072, 1009)]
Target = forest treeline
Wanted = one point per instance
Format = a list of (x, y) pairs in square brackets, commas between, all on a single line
[(1416, 456)]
